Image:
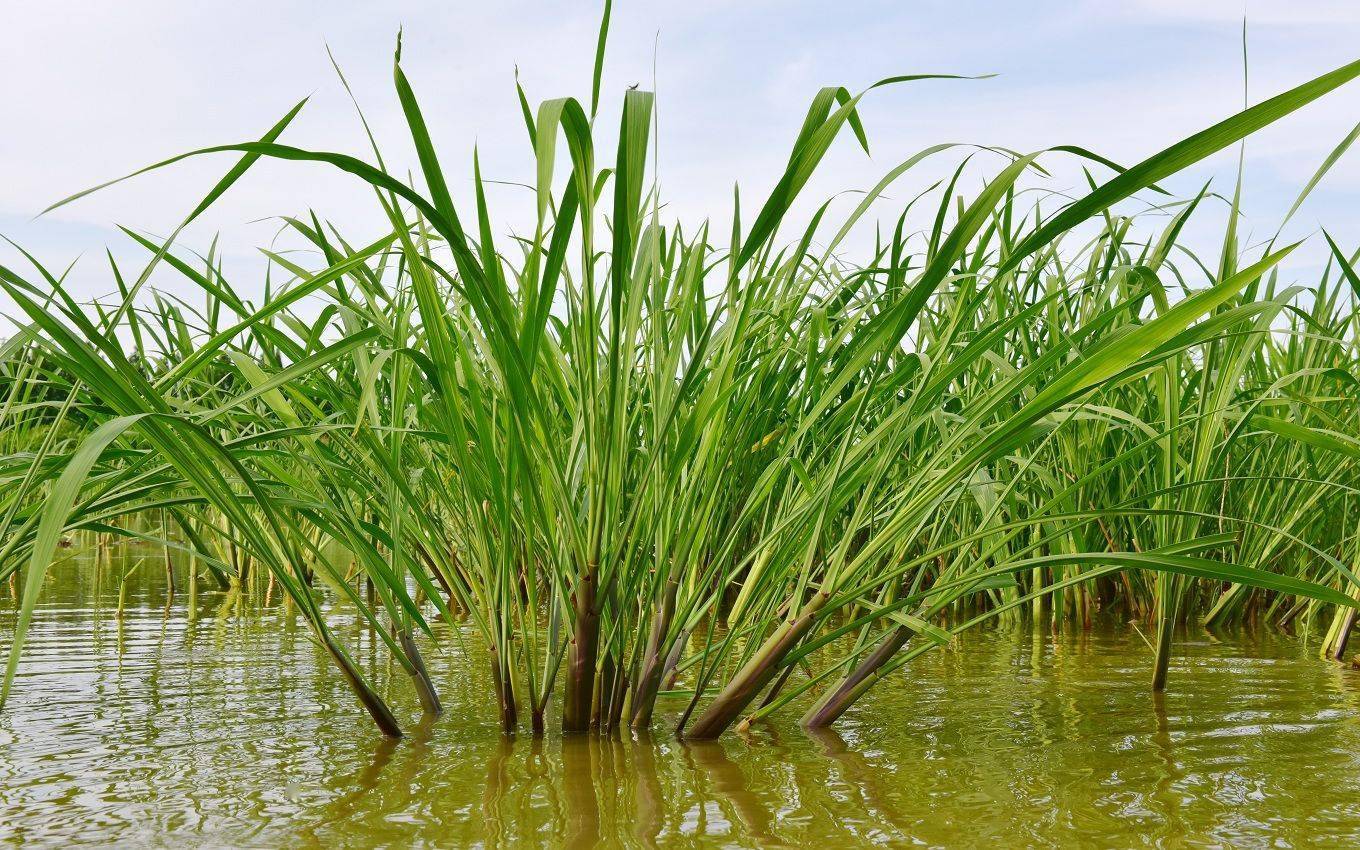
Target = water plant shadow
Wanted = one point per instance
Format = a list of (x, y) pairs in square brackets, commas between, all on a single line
[(723, 786), (862, 775)]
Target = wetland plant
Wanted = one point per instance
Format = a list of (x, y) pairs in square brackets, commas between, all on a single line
[(646, 461)]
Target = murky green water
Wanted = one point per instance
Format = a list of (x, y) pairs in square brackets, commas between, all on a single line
[(220, 725)]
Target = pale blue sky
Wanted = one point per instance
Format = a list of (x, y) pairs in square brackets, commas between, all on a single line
[(92, 90)]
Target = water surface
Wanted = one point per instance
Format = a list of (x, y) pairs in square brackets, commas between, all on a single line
[(220, 724)]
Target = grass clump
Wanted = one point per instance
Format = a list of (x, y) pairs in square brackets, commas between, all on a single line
[(645, 460)]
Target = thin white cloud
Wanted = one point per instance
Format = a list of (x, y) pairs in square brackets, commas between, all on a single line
[(1257, 12)]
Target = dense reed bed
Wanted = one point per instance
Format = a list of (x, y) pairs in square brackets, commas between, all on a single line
[(736, 473)]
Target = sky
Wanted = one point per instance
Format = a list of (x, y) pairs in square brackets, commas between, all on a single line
[(92, 90)]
